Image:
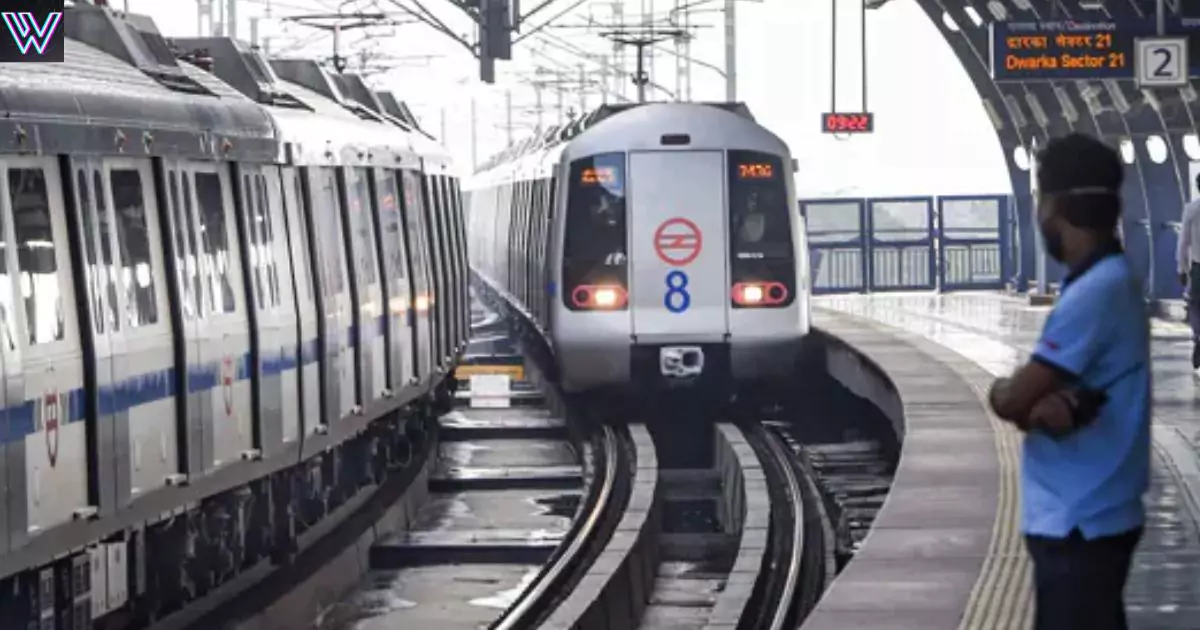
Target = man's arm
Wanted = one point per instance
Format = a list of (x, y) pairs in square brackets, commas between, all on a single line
[(1070, 341), (1013, 398)]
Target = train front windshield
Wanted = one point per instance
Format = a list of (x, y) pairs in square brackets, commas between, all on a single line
[(760, 232), (595, 257)]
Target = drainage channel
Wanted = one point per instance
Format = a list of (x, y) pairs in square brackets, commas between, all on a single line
[(503, 494)]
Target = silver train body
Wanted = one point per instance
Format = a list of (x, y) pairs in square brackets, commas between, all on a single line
[(651, 246), (201, 288)]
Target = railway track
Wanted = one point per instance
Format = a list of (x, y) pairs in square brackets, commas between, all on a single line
[(540, 517), (756, 558)]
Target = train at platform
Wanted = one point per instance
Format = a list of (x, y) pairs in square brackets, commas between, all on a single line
[(652, 247), (232, 294)]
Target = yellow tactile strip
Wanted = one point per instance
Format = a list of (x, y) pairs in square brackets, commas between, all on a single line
[(1002, 598)]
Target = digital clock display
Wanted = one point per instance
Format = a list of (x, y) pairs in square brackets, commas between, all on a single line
[(755, 170), (598, 175), (848, 123)]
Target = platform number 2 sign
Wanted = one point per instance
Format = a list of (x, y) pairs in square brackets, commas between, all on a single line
[(678, 242), (1162, 62)]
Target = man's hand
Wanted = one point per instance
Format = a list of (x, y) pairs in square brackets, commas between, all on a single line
[(1054, 413)]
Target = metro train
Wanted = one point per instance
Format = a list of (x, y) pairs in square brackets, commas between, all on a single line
[(651, 246), (229, 287)]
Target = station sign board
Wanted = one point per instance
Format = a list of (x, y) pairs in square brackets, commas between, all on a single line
[(1066, 50)]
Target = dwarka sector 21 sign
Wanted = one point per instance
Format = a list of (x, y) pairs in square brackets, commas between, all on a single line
[(1073, 51)]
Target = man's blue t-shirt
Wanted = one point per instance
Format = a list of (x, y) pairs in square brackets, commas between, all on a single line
[(1094, 478)]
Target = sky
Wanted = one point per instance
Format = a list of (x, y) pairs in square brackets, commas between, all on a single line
[(932, 135)]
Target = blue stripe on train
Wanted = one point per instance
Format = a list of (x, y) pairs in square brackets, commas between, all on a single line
[(151, 386)]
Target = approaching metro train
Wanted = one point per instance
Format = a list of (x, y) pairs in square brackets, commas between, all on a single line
[(227, 286), (649, 244)]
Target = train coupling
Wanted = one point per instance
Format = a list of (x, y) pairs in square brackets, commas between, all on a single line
[(681, 361)]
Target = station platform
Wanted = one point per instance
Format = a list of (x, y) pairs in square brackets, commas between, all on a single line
[(946, 550)]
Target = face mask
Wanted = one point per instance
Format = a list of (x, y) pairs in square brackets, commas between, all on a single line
[(1052, 241)]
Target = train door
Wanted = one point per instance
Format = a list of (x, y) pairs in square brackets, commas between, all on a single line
[(279, 275), (369, 310), (397, 294), (337, 360), (465, 289), (196, 443), (273, 381), (304, 302), (437, 272), (414, 229), (145, 409), (679, 284), (224, 386), (450, 247), (48, 469), (101, 298)]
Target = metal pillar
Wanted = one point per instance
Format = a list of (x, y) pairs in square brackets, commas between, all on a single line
[(508, 124), (474, 139), (730, 51), (1039, 248), (560, 92), (231, 22), (583, 85), (537, 92)]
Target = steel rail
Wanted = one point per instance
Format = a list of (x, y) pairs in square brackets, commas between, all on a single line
[(783, 458), (537, 600)]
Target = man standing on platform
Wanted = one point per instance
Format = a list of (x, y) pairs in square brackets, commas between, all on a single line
[(1187, 257), (1083, 399)]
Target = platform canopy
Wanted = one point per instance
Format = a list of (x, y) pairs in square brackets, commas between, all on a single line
[(1045, 69)]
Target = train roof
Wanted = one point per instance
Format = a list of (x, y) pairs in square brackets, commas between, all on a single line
[(683, 124), (318, 112), (571, 129), (111, 86)]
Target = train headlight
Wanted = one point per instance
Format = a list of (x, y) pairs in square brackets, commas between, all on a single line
[(759, 294), (604, 297), (752, 294), (601, 297)]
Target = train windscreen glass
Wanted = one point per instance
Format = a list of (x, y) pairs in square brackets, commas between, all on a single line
[(760, 232), (595, 260)]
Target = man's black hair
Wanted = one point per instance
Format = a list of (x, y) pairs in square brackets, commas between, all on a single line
[(1086, 176)]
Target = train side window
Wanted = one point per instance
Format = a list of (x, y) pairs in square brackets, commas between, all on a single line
[(108, 274), (305, 274), (215, 238), (594, 247), (254, 211), (133, 242), (390, 224), (181, 247), (37, 261), (327, 222), (359, 193), (268, 240), (413, 213), (87, 212), (201, 295)]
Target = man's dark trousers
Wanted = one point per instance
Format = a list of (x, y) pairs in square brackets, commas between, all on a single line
[(1192, 298), (1080, 583)]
